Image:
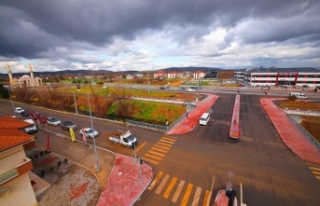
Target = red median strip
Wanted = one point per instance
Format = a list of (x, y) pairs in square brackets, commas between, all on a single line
[(234, 131), (289, 133)]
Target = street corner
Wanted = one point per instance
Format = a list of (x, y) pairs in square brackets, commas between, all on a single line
[(70, 184), (127, 181)]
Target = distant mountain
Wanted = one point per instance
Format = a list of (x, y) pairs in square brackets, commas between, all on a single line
[(88, 72), (191, 68)]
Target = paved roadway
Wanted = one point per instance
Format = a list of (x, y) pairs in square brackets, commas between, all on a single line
[(270, 173), (200, 160)]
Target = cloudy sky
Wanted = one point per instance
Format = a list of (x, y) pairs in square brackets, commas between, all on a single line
[(154, 34)]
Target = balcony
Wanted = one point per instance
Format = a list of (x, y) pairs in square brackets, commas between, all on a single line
[(20, 169)]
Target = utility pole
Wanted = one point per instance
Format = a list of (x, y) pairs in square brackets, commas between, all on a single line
[(75, 102), (94, 139), (11, 100)]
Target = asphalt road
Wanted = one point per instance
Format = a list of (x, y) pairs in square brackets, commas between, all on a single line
[(269, 172), (200, 161)]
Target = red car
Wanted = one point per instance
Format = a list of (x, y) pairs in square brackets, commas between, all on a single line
[(37, 116), (42, 119)]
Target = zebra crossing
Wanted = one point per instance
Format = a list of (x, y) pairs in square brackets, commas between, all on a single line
[(178, 192), (159, 150), (315, 169)]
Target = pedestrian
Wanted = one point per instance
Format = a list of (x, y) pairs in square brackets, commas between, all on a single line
[(187, 114), (84, 138), (167, 122)]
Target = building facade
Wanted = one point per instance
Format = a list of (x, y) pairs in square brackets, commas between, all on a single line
[(25, 80), (295, 77), (15, 184)]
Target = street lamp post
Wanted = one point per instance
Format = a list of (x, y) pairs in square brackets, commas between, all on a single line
[(11, 100), (94, 139)]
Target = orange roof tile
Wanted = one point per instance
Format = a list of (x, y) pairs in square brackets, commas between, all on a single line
[(8, 122), (12, 137)]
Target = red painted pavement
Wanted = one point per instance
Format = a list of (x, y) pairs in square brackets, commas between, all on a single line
[(123, 186), (188, 124), (289, 133), (234, 131)]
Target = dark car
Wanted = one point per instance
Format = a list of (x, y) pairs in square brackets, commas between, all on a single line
[(68, 124), (25, 113)]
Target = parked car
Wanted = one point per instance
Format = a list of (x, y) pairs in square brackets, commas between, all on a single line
[(25, 113), (89, 132), (192, 89), (42, 119), (18, 110), (35, 115), (53, 121), (32, 128), (68, 124)]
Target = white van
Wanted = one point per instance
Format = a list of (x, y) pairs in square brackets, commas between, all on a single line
[(299, 95), (204, 119), (32, 128)]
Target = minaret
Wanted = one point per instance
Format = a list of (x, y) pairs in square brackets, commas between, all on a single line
[(10, 75), (31, 72)]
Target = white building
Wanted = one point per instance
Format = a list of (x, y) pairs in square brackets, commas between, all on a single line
[(297, 77), (25, 80)]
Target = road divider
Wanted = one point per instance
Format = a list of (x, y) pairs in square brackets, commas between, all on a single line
[(234, 131)]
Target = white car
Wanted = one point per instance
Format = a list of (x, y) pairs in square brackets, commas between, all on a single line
[(89, 132), (53, 121), (18, 110)]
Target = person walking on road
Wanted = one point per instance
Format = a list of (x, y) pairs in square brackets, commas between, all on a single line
[(84, 138)]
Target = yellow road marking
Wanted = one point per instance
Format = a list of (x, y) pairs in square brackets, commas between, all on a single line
[(170, 187), (208, 194), (178, 191), (142, 145), (159, 150), (162, 184), (165, 141), (312, 164), (156, 153), (164, 144), (314, 168), (151, 160), (207, 197), (162, 147), (154, 182), (186, 195), (196, 198), (316, 173), (169, 139), (153, 156), (318, 177)]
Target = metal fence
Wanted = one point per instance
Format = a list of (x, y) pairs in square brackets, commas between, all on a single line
[(306, 133)]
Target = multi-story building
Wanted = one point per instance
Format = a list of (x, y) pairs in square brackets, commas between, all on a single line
[(15, 184), (297, 77)]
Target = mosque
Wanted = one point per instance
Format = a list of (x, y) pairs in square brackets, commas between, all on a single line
[(25, 80)]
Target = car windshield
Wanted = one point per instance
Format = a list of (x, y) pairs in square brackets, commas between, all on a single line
[(69, 123), (130, 138), (53, 119)]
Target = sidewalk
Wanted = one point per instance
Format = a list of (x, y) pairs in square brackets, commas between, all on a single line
[(289, 133), (188, 124)]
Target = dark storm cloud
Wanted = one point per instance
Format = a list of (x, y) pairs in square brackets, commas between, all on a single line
[(31, 28)]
